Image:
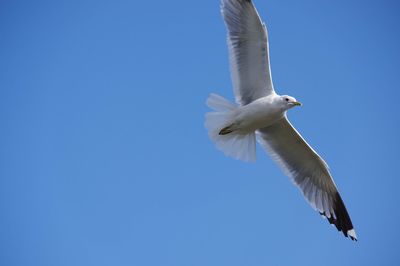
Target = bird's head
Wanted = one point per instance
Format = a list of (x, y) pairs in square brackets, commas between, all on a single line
[(289, 102)]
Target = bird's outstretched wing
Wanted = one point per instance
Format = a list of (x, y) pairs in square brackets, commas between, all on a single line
[(308, 171), (248, 51)]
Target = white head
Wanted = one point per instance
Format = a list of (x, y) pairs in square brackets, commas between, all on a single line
[(289, 102)]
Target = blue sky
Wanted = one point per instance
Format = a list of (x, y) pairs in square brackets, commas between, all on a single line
[(104, 159)]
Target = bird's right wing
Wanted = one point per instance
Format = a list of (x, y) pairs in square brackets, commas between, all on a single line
[(308, 171), (248, 51)]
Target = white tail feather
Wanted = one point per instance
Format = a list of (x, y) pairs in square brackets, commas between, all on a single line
[(235, 144), (219, 103)]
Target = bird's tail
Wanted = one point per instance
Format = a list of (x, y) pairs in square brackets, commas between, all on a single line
[(222, 132)]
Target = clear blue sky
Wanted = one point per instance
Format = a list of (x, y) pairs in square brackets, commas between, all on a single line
[(104, 159)]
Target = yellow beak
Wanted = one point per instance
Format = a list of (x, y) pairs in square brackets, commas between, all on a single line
[(297, 104)]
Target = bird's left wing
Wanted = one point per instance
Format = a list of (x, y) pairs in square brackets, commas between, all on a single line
[(248, 51), (308, 171)]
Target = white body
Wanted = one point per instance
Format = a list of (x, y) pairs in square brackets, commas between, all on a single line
[(261, 113)]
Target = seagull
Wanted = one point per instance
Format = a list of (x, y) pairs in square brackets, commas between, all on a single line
[(260, 114)]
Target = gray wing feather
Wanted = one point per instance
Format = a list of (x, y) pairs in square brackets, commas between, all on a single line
[(248, 51), (308, 171)]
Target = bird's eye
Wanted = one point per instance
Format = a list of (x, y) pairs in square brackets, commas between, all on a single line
[(287, 99)]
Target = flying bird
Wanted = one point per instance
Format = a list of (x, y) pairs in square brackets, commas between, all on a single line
[(260, 114)]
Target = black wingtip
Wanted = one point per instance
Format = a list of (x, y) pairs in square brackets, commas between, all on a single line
[(342, 221)]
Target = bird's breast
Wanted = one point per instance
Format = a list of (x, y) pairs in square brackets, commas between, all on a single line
[(257, 115)]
